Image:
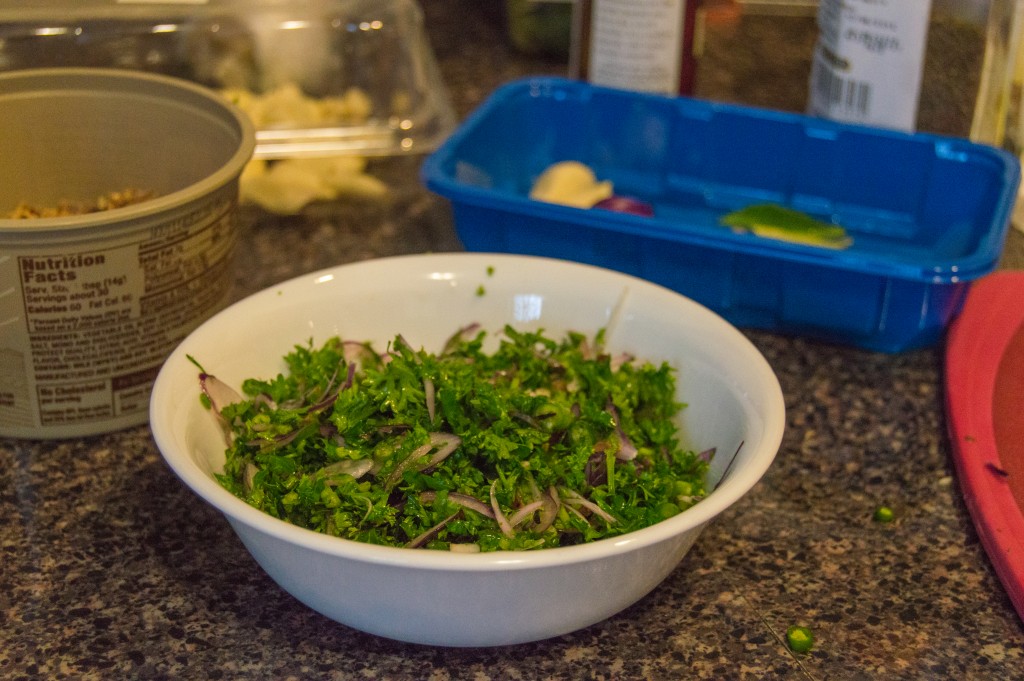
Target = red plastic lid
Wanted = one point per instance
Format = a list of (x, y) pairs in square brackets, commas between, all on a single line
[(985, 409)]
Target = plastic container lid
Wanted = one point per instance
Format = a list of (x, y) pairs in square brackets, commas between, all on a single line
[(317, 78)]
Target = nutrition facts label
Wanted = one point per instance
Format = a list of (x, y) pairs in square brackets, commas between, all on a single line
[(83, 333)]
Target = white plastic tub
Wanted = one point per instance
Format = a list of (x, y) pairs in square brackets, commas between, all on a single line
[(91, 304)]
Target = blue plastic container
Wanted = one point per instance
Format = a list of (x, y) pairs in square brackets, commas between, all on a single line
[(928, 214)]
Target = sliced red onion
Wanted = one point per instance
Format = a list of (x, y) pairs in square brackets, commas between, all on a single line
[(586, 350), (329, 431), (428, 391), (446, 444), (357, 468), (506, 529), (404, 465), (596, 469), (626, 204), (355, 352), (392, 428), (328, 389), (527, 419), (263, 400), (462, 334), (573, 498), (250, 475), (525, 512), (463, 500), (431, 533), (619, 360), (575, 511), (400, 340), (349, 377), (728, 466), (323, 402), (627, 450), (549, 511), (219, 393)]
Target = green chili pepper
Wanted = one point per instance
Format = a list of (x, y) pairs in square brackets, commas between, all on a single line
[(883, 514), (799, 639), (778, 222)]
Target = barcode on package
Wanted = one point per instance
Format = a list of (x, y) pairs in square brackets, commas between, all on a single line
[(847, 97), (868, 61)]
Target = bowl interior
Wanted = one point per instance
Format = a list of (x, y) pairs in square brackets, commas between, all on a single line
[(733, 397), (131, 131)]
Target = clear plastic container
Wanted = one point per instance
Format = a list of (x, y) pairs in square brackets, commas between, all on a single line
[(763, 58), (318, 78)]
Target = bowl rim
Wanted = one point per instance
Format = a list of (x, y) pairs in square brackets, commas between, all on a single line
[(167, 413)]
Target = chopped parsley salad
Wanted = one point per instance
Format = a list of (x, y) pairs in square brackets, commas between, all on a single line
[(540, 443)]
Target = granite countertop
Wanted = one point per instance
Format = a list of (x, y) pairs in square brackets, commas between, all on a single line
[(111, 569)]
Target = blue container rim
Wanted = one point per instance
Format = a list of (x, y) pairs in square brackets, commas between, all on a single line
[(981, 261)]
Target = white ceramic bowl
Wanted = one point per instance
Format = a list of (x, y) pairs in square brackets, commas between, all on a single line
[(452, 599)]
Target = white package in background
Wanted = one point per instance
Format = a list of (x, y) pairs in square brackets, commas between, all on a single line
[(869, 60), (644, 45)]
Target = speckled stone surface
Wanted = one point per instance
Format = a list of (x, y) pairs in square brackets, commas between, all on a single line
[(111, 569)]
